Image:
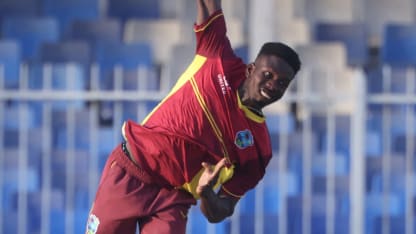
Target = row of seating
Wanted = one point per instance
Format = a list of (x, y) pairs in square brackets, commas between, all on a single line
[(247, 217)]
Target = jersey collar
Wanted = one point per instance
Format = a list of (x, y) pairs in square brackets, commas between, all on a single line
[(249, 114)]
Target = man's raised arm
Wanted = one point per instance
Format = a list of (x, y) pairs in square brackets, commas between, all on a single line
[(205, 8)]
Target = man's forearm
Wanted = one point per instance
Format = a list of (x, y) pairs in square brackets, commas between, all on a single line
[(214, 207), (205, 8)]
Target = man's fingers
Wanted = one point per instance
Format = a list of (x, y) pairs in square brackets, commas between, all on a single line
[(219, 166), (214, 170)]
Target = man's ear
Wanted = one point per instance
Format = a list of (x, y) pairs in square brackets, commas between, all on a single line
[(249, 69)]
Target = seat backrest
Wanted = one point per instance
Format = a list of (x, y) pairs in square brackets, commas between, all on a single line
[(19, 8), (67, 11), (65, 52), (399, 45), (10, 58), (93, 31), (128, 9), (352, 35), (31, 33)]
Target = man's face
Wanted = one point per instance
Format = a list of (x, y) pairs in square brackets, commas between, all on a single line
[(267, 80)]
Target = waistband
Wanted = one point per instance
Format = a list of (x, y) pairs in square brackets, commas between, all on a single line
[(124, 159)]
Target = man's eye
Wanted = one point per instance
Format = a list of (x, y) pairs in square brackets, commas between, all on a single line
[(268, 75)]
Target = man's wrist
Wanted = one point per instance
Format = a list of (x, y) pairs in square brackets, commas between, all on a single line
[(205, 191)]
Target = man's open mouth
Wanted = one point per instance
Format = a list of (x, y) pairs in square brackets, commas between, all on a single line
[(265, 93)]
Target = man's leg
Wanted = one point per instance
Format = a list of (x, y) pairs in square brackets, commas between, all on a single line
[(170, 221), (169, 213), (120, 200)]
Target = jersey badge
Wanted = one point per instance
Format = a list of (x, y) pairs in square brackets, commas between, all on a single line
[(92, 225), (244, 139)]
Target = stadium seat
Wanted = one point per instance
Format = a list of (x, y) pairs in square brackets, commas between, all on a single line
[(324, 81), (271, 223), (379, 13), (68, 11), (10, 58), (57, 221), (397, 54), (66, 52), (294, 214), (69, 62), (399, 45), (197, 221), (136, 60), (247, 223), (12, 221), (31, 33), (246, 205), (397, 224), (96, 31), (294, 32), (127, 9), (19, 8), (352, 35), (329, 11), (162, 35), (318, 224)]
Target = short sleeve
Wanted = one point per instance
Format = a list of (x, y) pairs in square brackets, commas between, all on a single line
[(211, 38)]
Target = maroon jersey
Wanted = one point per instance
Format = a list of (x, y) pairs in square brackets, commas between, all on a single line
[(203, 120)]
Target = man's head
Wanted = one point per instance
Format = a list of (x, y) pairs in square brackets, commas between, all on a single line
[(269, 76)]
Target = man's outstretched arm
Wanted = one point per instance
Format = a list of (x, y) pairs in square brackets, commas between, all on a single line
[(205, 8)]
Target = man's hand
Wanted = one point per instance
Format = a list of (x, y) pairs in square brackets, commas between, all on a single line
[(205, 8), (210, 176), (214, 206)]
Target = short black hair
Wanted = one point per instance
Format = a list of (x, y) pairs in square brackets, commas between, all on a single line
[(282, 51)]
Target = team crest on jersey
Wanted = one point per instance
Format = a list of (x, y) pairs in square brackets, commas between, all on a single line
[(244, 139), (92, 224)]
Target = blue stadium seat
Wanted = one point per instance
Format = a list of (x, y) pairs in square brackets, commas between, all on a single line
[(374, 79), (247, 203), (12, 222), (96, 31), (197, 221), (67, 11), (126, 9), (294, 214), (10, 58), (57, 221), (353, 36), (19, 8), (397, 224), (318, 224), (399, 45), (66, 52), (130, 57), (70, 62), (271, 197), (223, 228), (271, 223), (80, 221), (31, 33), (247, 223), (342, 224)]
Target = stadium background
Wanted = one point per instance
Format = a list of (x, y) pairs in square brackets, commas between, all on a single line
[(343, 136)]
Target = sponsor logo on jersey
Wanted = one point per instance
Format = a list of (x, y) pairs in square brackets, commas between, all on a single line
[(244, 139), (223, 83), (92, 224)]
